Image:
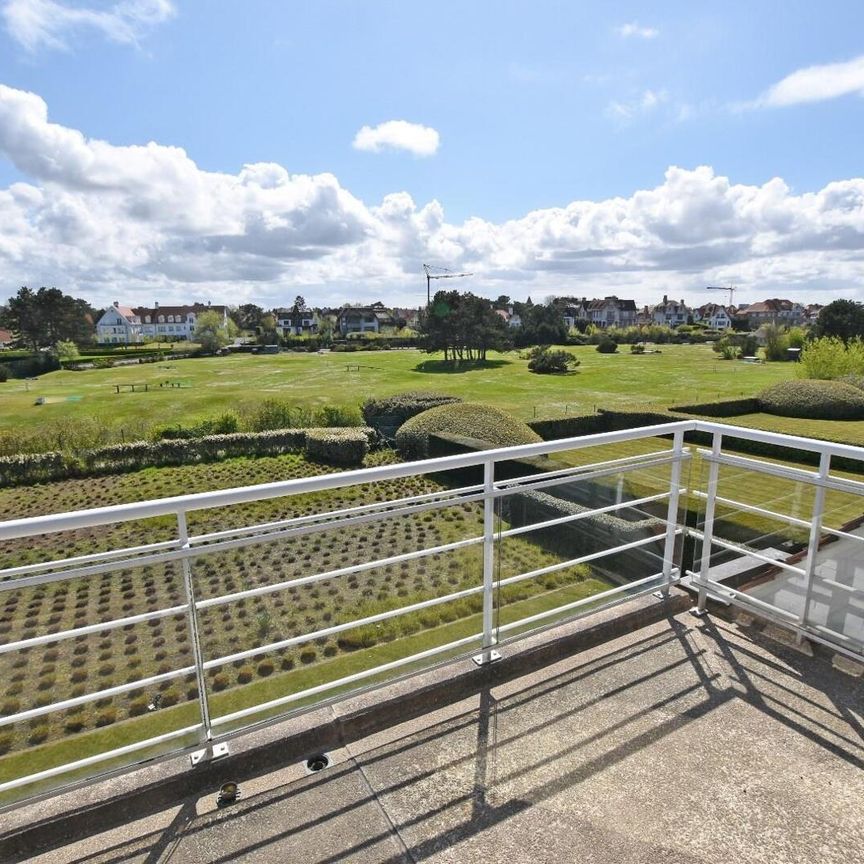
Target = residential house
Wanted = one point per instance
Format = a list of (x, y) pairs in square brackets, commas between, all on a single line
[(118, 325), (509, 316), (124, 326), (671, 312), (774, 311), (296, 321), (6, 338), (572, 309), (364, 319), (811, 312), (407, 317), (715, 316), (612, 312)]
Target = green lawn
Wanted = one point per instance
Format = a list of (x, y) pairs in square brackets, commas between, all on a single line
[(682, 373)]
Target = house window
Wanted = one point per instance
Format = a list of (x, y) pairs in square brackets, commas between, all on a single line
[(161, 319)]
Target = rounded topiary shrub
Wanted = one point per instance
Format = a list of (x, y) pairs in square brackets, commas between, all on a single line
[(812, 399), (466, 420)]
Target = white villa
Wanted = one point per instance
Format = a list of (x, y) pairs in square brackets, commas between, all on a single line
[(122, 325)]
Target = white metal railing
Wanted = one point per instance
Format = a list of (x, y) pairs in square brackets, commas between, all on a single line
[(186, 549)]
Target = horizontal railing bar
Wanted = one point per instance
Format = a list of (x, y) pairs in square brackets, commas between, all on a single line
[(833, 583), (626, 590), (82, 559), (92, 697), (319, 527), (837, 484), (219, 546), (815, 445), (341, 628), (99, 757), (744, 597), (29, 527), (563, 520), (593, 475), (583, 559), (333, 574), (114, 624), (348, 679), (443, 497), (578, 469), (785, 471), (749, 553), (781, 517)]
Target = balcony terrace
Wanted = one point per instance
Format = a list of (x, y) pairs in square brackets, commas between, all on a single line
[(616, 725)]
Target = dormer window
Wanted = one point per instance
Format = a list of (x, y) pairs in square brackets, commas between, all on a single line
[(161, 319), (146, 319)]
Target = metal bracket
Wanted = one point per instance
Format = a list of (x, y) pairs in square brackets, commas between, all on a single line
[(696, 612), (660, 595), (486, 657), (209, 753)]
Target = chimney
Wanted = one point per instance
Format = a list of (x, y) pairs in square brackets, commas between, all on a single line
[(116, 303), (665, 299), (156, 304)]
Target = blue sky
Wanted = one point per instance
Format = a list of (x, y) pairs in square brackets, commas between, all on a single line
[(576, 111)]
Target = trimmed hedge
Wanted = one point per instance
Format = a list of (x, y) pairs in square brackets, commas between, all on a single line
[(814, 399), (339, 446), (727, 408), (387, 414), (27, 468), (466, 419)]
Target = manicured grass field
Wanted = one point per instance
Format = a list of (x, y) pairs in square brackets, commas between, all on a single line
[(680, 374)]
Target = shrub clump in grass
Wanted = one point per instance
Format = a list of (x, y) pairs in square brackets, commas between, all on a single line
[(469, 420), (814, 399), (6, 741)]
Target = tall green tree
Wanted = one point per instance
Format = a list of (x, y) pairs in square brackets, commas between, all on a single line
[(212, 332), (47, 316), (248, 316), (463, 326), (842, 318), (542, 325)]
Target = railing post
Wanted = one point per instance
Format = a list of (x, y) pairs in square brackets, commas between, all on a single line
[(815, 534), (209, 751), (708, 526), (487, 655), (672, 512)]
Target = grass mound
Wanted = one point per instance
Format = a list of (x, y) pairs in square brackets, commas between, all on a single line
[(816, 400), (466, 419)]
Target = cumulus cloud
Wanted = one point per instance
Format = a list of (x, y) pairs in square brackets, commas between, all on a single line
[(103, 220), (815, 84), (51, 24), (634, 30), (398, 135)]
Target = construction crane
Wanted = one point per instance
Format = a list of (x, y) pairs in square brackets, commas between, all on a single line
[(731, 289), (443, 273)]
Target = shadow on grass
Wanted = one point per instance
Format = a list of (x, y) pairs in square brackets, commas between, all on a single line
[(451, 366)]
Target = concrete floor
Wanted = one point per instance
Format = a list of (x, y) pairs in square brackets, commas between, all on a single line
[(688, 741)]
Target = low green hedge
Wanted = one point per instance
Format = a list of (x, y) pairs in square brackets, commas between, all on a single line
[(338, 446), (814, 399), (26, 468), (465, 419), (387, 414), (726, 408)]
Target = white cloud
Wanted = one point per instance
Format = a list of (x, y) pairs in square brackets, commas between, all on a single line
[(145, 222), (815, 84), (648, 102), (635, 30), (50, 24), (398, 135)]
